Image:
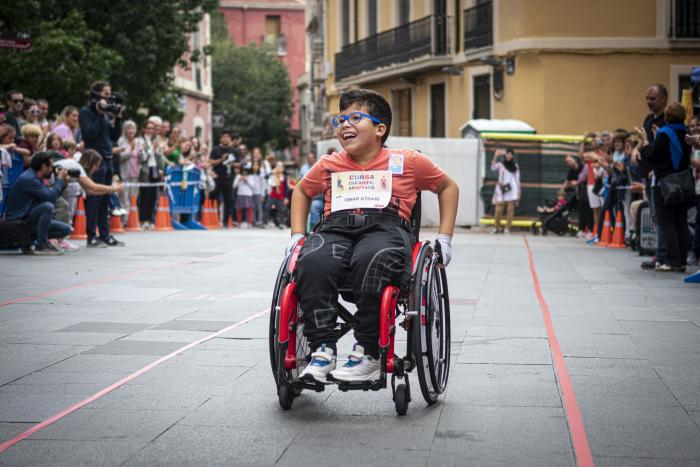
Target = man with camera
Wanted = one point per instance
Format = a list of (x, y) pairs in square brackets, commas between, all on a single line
[(101, 127), (33, 202)]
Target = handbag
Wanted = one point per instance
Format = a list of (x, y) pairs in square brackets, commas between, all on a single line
[(505, 187), (677, 188)]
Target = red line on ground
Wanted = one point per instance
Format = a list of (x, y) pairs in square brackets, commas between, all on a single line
[(9, 443), (577, 431), (102, 280)]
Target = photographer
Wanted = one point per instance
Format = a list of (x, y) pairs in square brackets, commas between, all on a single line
[(32, 202), (101, 127)]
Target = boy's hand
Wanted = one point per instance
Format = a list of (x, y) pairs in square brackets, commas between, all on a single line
[(445, 242), (292, 243)]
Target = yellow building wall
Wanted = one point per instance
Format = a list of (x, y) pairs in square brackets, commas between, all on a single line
[(575, 18), (567, 93)]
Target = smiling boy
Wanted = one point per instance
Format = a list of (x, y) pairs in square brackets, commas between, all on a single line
[(365, 236)]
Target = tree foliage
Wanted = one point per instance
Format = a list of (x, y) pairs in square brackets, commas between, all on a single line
[(133, 45), (251, 89)]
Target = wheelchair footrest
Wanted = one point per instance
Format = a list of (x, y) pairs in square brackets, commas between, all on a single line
[(318, 387), (362, 385)]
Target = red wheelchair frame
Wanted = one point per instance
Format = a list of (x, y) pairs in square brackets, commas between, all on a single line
[(425, 307)]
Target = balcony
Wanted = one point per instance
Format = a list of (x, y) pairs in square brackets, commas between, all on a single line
[(427, 37), (478, 26), (685, 19)]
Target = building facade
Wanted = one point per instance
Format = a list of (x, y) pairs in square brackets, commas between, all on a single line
[(280, 23), (563, 67), (195, 84)]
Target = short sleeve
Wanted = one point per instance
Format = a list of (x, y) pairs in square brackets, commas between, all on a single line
[(313, 183), (428, 175)]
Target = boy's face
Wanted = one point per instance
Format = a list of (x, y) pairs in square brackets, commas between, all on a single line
[(361, 137)]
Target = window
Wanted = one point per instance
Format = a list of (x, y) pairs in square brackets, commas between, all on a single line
[(403, 116), (481, 84), (404, 11), (372, 17), (197, 45), (272, 29), (684, 83), (346, 22), (686, 19), (437, 110)]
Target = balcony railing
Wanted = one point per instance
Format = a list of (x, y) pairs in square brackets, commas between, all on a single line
[(426, 37), (478, 26), (685, 19)]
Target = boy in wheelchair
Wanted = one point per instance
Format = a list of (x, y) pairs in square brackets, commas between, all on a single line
[(365, 237)]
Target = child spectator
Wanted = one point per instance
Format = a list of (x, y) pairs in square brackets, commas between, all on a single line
[(277, 188), (244, 196), (258, 184), (561, 201), (31, 141), (68, 149), (53, 142)]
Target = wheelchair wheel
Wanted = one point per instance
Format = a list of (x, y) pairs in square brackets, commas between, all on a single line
[(401, 399), (431, 328), (276, 353)]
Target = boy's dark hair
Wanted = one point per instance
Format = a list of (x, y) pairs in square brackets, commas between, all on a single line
[(39, 160), (376, 105)]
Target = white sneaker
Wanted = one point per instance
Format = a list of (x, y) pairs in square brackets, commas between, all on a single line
[(68, 246), (322, 362), (359, 367), (506, 231)]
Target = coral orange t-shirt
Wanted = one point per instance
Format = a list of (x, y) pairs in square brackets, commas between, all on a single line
[(417, 173)]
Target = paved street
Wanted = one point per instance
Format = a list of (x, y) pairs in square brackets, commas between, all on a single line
[(73, 326)]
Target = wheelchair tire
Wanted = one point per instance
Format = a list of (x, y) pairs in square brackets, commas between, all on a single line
[(401, 399), (285, 394), (280, 284), (430, 328)]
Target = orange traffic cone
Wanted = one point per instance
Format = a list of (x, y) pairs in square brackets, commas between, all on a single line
[(204, 218), (607, 231), (80, 224), (115, 224), (618, 240), (163, 215), (132, 224), (215, 223)]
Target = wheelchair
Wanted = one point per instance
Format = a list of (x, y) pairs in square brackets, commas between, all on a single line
[(422, 309)]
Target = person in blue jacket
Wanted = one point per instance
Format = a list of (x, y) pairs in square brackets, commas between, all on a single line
[(33, 202)]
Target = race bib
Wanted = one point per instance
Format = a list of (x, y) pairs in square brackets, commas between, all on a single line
[(357, 190)]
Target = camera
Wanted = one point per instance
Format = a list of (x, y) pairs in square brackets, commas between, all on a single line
[(73, 173), (114, 104)]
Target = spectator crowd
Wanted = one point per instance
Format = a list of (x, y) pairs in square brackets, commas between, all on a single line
[(657, 165), (48, 163)]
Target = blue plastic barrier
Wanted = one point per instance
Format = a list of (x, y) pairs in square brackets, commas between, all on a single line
[(9, 177), (183, 195)]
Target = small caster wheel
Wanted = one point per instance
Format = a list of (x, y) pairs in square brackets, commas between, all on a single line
[(285, 394), (401, 399), (535, 229)]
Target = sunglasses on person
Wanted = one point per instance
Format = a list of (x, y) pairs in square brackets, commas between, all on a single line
[(353, 118), (17, 101)]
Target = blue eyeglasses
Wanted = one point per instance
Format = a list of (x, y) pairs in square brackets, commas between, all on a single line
[(353, 119)]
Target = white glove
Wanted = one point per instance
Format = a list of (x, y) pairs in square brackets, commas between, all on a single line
[(445, 247), (292, 243)]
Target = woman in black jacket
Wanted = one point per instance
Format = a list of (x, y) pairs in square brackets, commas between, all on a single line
[(672, 219)]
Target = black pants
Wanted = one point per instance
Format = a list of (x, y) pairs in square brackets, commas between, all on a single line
[(673, 222), (224, 189), (97, 206), (148, 195), (367, 258), (585, 213)]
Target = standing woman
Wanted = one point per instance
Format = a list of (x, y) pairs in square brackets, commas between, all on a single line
[(508, 190), (669, 154), (67, 125), (129, 163), (150, 171)]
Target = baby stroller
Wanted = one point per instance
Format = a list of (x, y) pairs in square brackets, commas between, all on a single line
[(557, 221)]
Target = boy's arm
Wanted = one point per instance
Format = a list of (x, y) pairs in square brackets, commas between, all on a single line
[(448, 199), (301, 204)]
